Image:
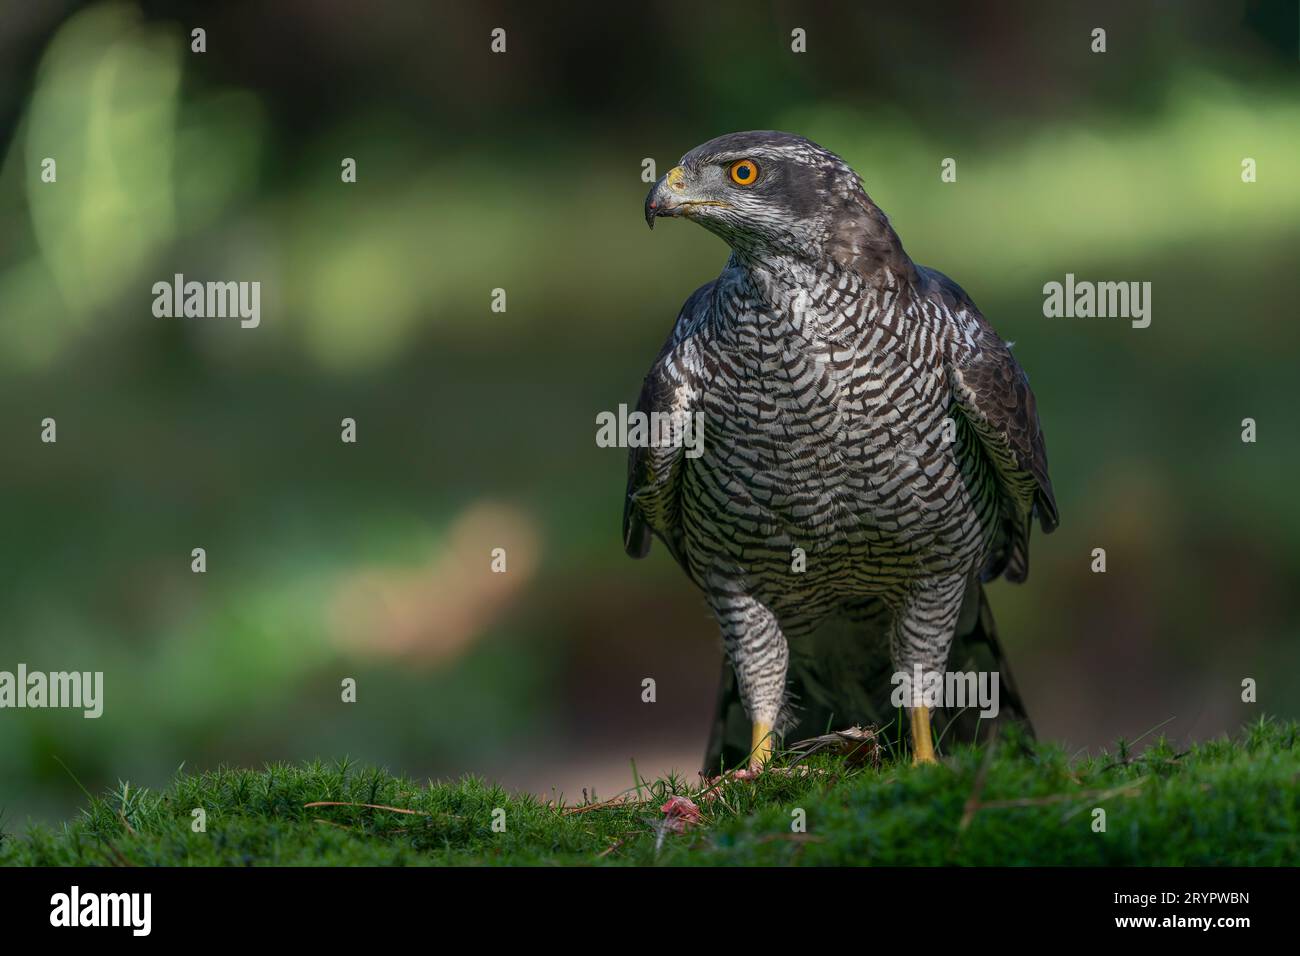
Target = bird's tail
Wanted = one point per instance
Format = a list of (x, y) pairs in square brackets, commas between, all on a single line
[(841, 675)]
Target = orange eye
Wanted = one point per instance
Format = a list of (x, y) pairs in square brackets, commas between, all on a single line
[(744, 172)]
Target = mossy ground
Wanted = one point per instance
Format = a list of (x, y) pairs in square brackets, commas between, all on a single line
[(1220, 802)]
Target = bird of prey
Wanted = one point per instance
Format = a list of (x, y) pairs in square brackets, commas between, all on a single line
[(871, 452)]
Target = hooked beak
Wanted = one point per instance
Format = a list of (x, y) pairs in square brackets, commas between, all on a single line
[(664, 198)]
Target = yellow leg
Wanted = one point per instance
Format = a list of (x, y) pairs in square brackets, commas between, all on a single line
[(761, 745), (922, 741)]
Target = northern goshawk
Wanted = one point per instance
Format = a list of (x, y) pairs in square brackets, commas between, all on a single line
[(858, 411)]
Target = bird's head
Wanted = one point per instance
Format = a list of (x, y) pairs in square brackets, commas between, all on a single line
[(768, 193)]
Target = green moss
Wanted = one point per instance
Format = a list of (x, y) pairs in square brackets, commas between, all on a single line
[(1220, 802)]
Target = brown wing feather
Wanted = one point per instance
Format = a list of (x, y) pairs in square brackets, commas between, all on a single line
[(992, 392), (640, 471), (651, 504)]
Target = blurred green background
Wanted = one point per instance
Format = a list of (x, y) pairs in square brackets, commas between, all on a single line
[(476, 429)]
